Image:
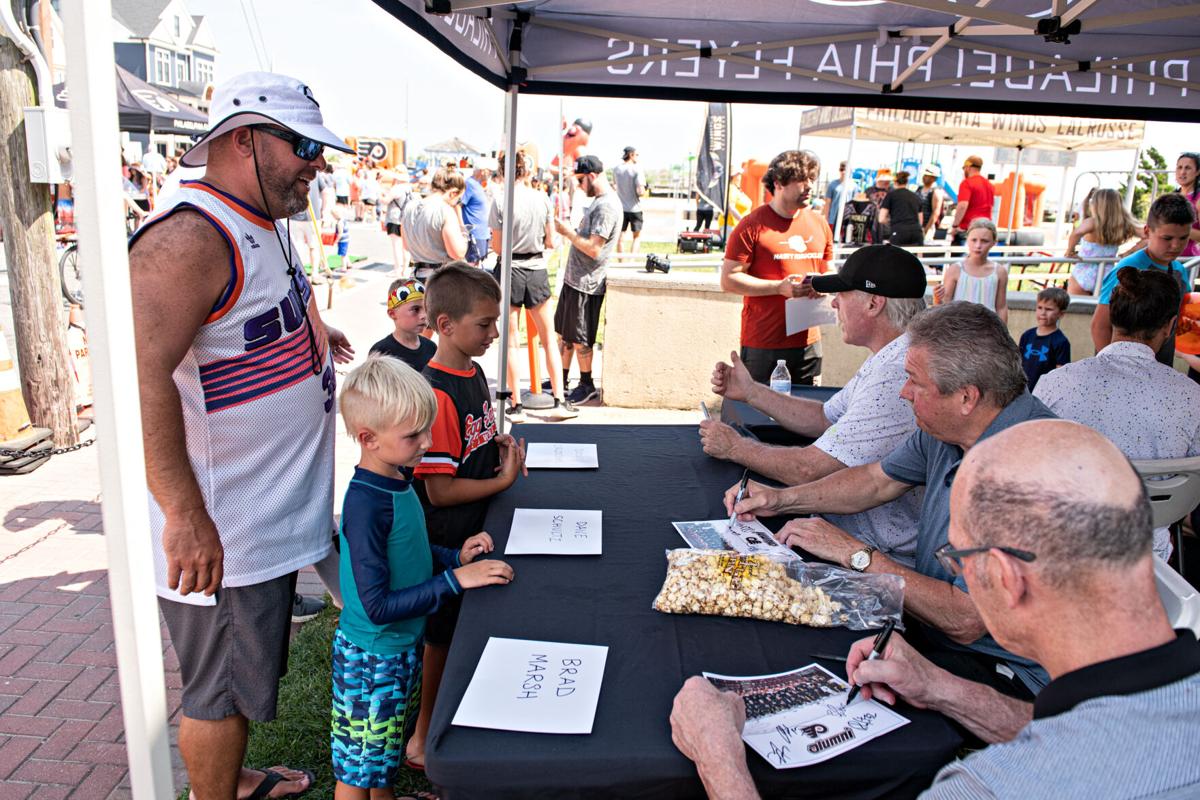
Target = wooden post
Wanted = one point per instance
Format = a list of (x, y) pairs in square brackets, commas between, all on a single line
[(33, 281)]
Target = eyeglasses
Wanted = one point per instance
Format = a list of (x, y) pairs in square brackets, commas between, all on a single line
[(305, 149), (951, 558)]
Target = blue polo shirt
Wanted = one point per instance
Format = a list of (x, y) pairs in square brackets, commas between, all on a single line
[(925, 461), (1141, 260)]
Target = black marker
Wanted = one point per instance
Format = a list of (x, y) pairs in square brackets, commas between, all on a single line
[(741, 493), (877, 649)]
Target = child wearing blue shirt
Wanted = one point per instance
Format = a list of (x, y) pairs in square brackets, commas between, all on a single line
[(1044, 347), (391, 578), (1168, 228)]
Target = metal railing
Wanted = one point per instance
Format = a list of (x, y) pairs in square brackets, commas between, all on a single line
[(934, 257)]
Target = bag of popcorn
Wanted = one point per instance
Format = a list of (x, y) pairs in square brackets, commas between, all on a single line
[(724, 583)]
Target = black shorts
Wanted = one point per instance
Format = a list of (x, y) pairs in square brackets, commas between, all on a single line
[(577, 316), (368, 202), (343, 198), (232, 655), (632, 219), (393, 229), (530, 287), (804, 363)]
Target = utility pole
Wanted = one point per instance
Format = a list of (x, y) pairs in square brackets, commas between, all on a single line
[(47, 383)]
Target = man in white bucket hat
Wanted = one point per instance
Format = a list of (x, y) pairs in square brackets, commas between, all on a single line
[(237, 398)]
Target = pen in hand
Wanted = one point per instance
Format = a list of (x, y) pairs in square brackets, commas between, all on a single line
[(877, 649), (741, 493)]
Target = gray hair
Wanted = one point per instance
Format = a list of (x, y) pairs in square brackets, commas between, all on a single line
[(901, 310), (1067, 535), (968, 345)]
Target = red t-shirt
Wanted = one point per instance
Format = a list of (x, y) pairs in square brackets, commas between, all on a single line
[(979, 194), (774, 247)]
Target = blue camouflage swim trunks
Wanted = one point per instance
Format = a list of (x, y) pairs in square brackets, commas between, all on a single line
[(375, 703)]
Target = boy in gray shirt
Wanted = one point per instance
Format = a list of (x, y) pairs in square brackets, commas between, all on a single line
[(631, 186)]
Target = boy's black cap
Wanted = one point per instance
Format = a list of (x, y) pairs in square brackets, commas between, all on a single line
[(881, 269), (588, 165)]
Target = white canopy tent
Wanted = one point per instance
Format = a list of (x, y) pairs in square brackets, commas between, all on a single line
[(996, 130), (1126, 58), (1018, 131)]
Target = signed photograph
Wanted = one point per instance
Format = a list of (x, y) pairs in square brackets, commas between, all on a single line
[(798, 718)]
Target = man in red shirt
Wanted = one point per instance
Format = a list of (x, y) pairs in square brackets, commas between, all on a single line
[(767, 258), (975, 198)]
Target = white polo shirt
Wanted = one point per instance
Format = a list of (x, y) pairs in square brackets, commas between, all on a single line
[(1145, 408)]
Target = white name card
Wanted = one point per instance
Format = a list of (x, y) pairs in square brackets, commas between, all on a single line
[(548, 455), (553, 531), (537, 687)]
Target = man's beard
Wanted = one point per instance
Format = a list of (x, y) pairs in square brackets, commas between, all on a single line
[(279, 191)]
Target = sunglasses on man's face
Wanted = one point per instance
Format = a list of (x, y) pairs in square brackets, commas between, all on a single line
[(303, 148)]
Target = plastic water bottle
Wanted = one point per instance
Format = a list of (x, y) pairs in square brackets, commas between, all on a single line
[(781, 379)]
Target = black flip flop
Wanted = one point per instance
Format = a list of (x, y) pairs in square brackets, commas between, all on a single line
[(273, 779)]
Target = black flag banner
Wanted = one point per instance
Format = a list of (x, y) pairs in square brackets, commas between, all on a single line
[(711, 164)]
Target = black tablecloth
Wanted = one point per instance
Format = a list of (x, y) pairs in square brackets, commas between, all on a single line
[(648, 477), (765, 428)]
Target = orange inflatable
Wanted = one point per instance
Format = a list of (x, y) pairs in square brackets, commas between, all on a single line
[(575, 139), (1030, 198), (751, 182), (1187, 330)]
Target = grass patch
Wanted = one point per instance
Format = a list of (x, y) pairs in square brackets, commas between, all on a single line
[(299, 736)]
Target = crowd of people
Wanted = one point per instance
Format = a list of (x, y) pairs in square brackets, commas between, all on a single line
[(1024, 538)]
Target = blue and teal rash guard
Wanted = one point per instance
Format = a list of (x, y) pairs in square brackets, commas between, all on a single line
[(387, 565)]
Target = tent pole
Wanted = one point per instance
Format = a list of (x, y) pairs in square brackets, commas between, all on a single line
[(1129, 187), (1062, 210), (1012, 201), (841, 212), (510, 183), (725, 212), (105, 264)]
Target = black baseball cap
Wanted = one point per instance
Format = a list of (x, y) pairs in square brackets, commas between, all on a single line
[(588, 164), (881, 269)]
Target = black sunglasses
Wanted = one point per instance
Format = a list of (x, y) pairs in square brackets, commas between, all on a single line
[(951, 558), (305, 149)]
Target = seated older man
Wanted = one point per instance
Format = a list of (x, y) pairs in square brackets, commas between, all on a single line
[(965, 383), (878, 291), (1146, 408), (1075, 592)]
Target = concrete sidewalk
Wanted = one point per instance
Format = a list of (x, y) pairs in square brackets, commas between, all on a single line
[(61, 729)]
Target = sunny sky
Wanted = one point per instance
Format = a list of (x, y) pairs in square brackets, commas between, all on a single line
[(373, 76)]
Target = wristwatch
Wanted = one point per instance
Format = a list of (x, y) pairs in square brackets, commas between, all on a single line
[(861, 559)]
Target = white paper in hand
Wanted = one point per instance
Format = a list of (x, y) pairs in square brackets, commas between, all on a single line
[(538, 687), (554, 531), (802, 313)]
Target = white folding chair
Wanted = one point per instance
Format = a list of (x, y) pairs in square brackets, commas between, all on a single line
[(1179, 598), (1173, 485)]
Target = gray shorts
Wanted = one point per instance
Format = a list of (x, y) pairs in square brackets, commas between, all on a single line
[(232, 655)]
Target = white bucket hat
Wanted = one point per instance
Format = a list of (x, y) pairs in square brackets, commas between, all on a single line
[(257, 97)]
